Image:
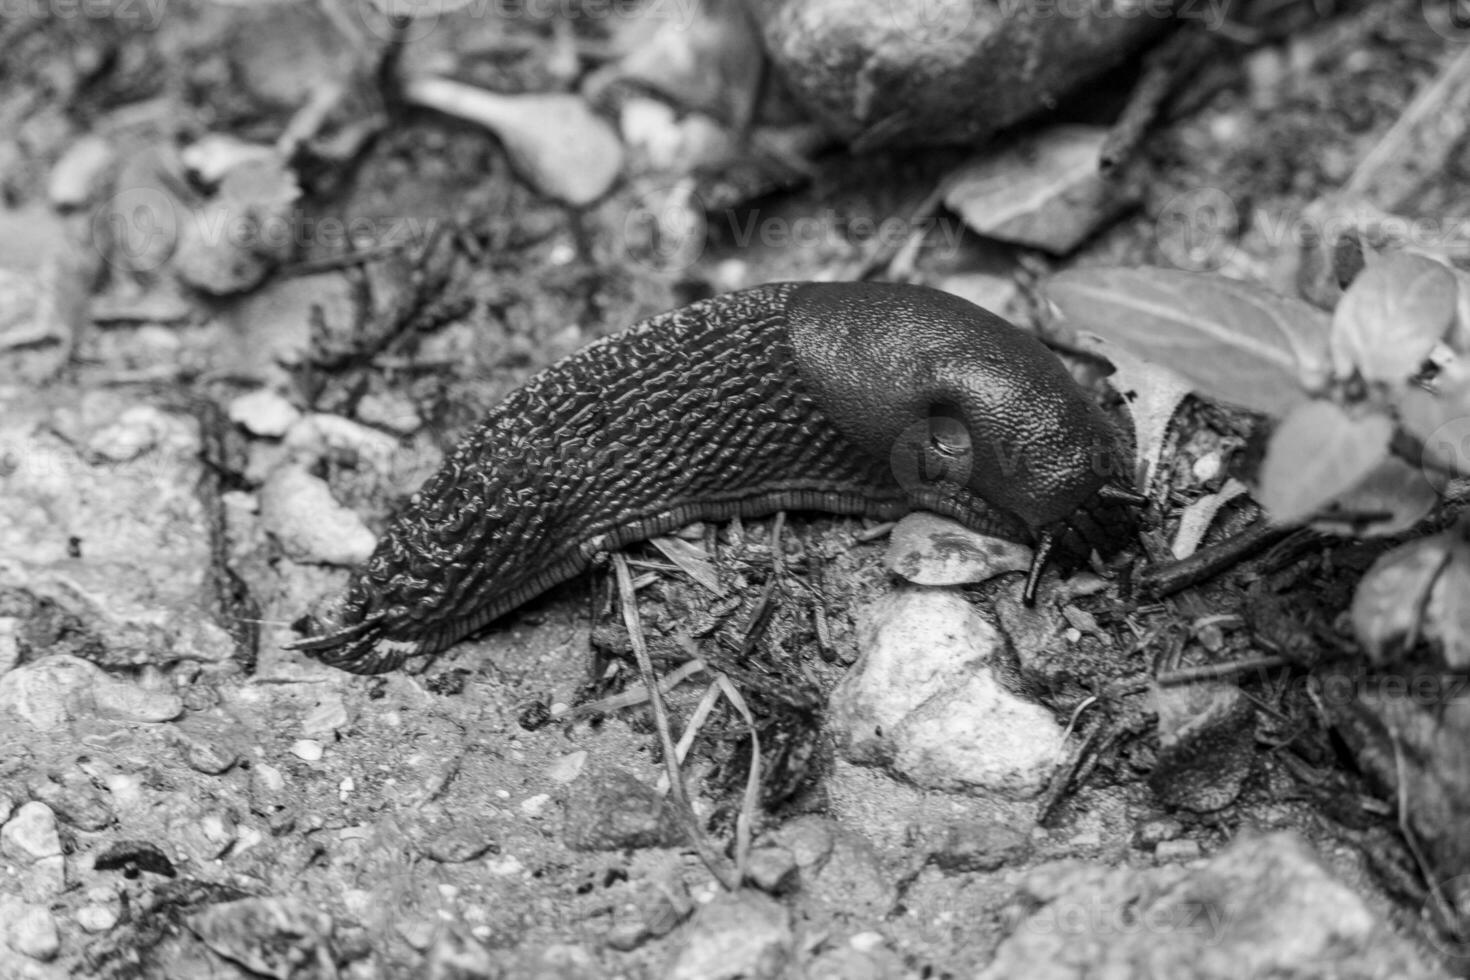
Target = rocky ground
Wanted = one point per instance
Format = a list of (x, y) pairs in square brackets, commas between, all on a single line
[(199, 438)]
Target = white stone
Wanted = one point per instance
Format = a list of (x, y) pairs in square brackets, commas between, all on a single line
[(264, 413), (96, 918), (923, 701), (308, 749), (31, 834), (30, 930), (311, 526)]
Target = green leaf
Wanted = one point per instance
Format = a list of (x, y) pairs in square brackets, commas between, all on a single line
[(1317, 453), (1393, 497), (1388, 607), (1440, 421), (1447, 619), (1233, 341), (1391, 317)]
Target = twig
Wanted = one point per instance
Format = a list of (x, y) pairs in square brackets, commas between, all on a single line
[(1215, 672), (1443, 910), (1418, 142), (631, 619), (1158, 581), (1067, 772), (1164, 66), (884, 254)]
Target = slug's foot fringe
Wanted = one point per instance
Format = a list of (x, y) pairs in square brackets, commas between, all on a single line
[(359, 648)]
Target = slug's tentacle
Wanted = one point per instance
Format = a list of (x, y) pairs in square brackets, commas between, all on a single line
[(847, 398)]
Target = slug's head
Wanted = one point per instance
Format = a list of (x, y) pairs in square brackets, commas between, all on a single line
[(979, 420), (1068, 504)]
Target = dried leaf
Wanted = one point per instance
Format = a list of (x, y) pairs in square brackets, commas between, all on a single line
[(1233, 341), (1045, 190), (1196, 518), (1317, 453), (692, 560), (1153, 394), (1391, 317), (1388, 607)]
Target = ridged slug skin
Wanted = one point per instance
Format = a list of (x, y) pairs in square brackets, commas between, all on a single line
[(849, 398)]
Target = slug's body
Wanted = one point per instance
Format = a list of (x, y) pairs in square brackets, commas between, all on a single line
[(851, 398)]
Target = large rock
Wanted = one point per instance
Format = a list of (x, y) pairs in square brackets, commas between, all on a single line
[(883, 73), (923, 701), (1264, 907)]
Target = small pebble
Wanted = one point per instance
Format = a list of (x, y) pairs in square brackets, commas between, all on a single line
[(1175, 851), (31, 930), (31, 834), (1207, 467), (534, 806), (96, 918), (308, 749), (1154, 832), (772, 869), (320, 434), (81, 172), (269, 777), (264, 413), (330, 715), (300, 511), (568, 767), (389, 410)]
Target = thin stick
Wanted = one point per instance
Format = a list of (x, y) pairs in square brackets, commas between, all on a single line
[(661, 722), (1443, 910), (1214, 672), (1416, 145), (1158, 581)]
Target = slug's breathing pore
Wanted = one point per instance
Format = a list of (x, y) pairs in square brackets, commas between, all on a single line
[(852, 398)]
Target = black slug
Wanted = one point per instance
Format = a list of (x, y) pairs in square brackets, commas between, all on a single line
[(851, 398)]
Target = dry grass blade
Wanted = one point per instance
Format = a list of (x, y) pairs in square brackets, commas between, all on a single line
[(692, 560), (631, 619), (629, 698), (692, 729), (1444, 912), (752, 779)]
